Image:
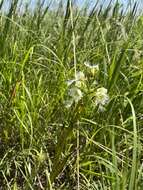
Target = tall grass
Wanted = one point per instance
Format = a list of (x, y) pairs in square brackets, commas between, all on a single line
[(45, 143)]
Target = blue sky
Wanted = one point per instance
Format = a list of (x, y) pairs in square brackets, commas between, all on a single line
[(82, 2), (123, 2)]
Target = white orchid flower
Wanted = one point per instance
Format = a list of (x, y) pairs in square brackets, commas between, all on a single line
[(94, 68), (76, 94), (101, 97)]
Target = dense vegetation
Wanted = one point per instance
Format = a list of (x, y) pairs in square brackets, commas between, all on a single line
[(71, 97)]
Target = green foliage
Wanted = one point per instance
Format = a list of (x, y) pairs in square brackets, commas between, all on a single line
[(71, 97)]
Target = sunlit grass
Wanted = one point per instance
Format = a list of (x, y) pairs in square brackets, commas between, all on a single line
[(71, 98)]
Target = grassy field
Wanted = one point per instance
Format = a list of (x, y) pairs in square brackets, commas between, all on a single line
[(71, 97)]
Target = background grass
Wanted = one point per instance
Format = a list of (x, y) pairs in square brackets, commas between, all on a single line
[(44, 145)]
